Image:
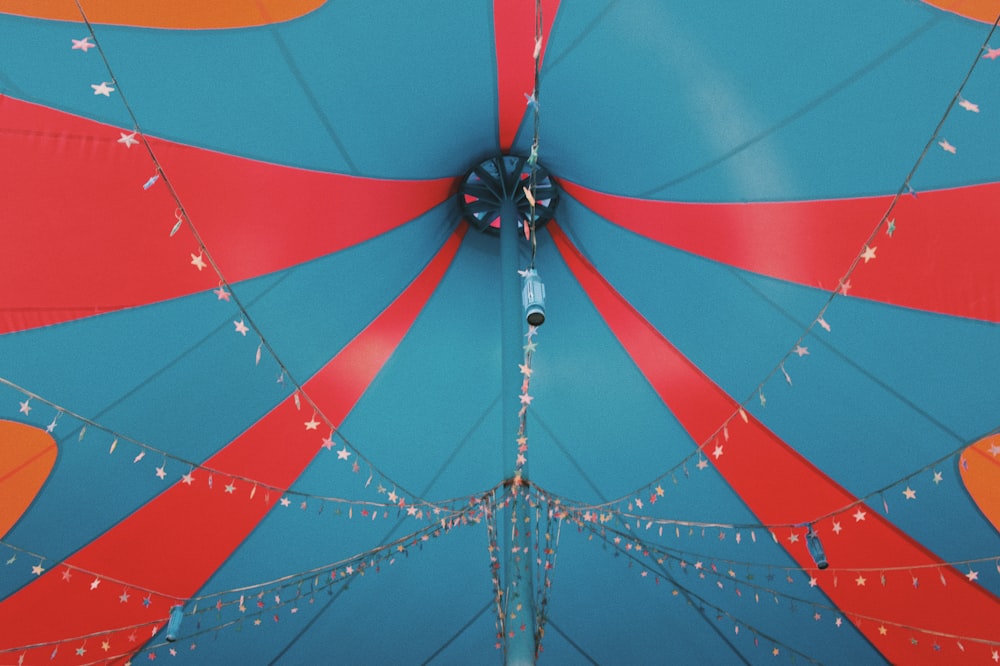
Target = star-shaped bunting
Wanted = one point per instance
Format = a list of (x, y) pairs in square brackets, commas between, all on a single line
[(969, 106), (128, 140), (241, 327), (82, 44), (102, 88)]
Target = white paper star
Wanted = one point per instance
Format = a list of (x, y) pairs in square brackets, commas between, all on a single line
[(947, 147), (161, 472), (123, 597), (198, 261), (938, 478), (994, 450), (869, 253), (525, 369), (25, 407), (859, 515), (813, 582), (392, 496), (37, 569), (188, 478), (909, 493), (836, 527), (82, 44), (860, 580), (343, 454), (230, 488), (241, 328), (102, 89), (793, 538), (128, 140), (285, 501), (526, 399), (838, 622), (972, 575), (94, 583), (717, 452), (702, 464), (312, 423)]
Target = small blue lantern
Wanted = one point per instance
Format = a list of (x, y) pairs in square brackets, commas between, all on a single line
[(533, 297), (816, 549)]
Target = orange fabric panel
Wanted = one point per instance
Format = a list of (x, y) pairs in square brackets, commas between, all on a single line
[(180, 14), (980, 468), (978, 10), (28, 457)]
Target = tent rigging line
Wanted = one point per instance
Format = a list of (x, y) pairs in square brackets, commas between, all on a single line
[(904, 188), (185, 218)]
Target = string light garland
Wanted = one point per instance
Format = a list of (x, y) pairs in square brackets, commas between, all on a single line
[(193, 466), (867, 253), (322, 578), (654, 565), (204, 258)]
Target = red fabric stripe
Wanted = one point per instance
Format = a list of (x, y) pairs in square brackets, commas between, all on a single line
[(175, 542), (782, 487), (941, 257), (514, 32), (79, 213)]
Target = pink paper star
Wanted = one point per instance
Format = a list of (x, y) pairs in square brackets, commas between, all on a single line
[(969, 106), (221, 294), (992, 54), (241, 328), (82, 44), (909, 493), (947, 147)]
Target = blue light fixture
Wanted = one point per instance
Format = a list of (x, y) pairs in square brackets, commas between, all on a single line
[(533, 297), (174, 624), (816, 548)]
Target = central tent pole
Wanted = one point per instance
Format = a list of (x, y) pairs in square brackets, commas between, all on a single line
[(519, 598)]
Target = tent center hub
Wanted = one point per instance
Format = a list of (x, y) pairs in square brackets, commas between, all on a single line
[(507, 178)]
